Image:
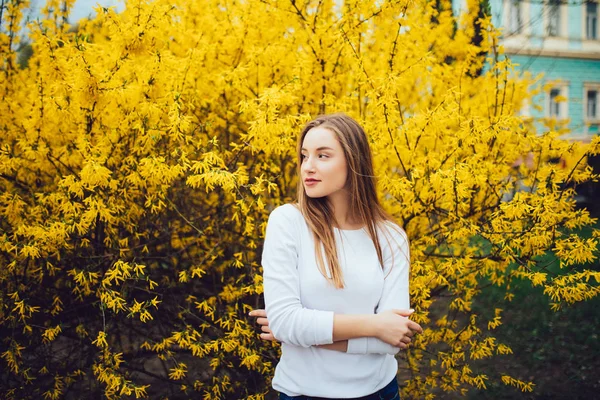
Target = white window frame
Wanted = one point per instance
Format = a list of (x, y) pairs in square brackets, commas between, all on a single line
[(514, 8), (561, 11), (586, 29), (525, 110), (563, 107), (587, 87)]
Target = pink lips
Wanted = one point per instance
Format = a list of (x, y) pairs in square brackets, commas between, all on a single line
[(310, 182)]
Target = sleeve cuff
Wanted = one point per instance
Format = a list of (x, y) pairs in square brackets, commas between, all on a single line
[(324, 327), (370, 345), (377, 346), (357, 345)]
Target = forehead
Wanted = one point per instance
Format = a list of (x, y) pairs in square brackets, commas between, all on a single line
[(320, 137)]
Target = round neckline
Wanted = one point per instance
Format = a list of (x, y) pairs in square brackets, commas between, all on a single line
[(350, 230)]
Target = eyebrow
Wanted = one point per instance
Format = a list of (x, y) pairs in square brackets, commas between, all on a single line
[(319, 149)]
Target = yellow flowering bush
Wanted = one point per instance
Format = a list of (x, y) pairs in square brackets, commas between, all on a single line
[(142, 152)]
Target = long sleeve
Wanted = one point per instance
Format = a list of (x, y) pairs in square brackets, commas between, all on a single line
[(289, 321), (395, 293)]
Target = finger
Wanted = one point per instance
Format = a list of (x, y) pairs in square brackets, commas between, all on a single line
[(258, 313), (268, 336), (404, 313), (405, 340), (265, 329), (413, 326), (403, 345), (262, 321)]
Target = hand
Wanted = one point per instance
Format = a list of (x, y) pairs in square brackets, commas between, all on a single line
[(394, 327), (268, 335), (264, 324)]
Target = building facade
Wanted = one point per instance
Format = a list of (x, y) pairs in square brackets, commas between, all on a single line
[(560, 39)]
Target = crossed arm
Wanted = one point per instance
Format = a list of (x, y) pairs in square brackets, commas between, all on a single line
[(392, 327), (285, 318)]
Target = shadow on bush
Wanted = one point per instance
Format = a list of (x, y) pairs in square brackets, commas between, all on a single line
[(588, 193)]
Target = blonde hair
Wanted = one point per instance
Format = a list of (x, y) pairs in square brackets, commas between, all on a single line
[(364, 204)]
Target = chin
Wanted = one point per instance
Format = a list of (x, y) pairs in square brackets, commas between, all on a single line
[(313, 195)]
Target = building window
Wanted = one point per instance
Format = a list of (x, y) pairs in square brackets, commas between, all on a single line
[(556, 101), (591, 20), (591, 108), (592, 104), (592, 98), (515, 19), (553, 27), (554, 104)]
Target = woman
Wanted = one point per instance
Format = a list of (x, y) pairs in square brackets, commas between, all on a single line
[(335, 274)]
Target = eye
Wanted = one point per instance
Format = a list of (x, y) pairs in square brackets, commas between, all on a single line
[(323, 156)]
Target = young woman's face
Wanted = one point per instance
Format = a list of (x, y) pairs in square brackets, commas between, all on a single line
[(324, 168)]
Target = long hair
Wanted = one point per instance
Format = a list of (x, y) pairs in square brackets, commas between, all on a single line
[(364, 204)]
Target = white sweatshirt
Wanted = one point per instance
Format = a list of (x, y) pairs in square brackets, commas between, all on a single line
[(300, 305)]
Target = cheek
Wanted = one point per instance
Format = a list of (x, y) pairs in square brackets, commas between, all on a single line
[(341, 173)]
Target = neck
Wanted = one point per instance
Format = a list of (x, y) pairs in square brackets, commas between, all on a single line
[(340, 206)]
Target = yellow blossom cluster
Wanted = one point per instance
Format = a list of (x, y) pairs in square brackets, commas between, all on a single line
[(142, 151)]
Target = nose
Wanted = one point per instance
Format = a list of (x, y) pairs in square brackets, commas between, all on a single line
[(307, 166)]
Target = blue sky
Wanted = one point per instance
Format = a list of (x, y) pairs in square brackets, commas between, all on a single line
[(81, 9)]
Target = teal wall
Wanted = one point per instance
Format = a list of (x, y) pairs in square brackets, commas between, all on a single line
[(575, 27), (536, 11), (574, 71), (497, 17)]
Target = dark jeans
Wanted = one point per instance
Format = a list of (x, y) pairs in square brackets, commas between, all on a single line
[(389, 392)]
